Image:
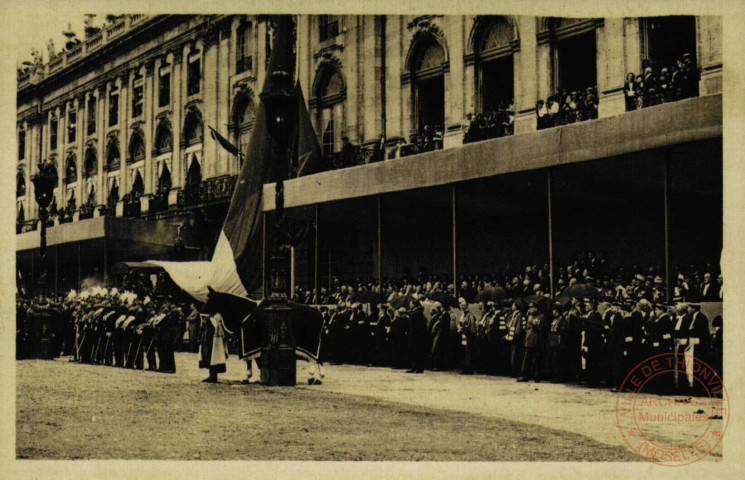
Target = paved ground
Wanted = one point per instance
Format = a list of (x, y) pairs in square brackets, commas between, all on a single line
[(67, 410)]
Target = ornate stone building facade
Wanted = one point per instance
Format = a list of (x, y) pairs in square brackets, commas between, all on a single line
[(125, 113)]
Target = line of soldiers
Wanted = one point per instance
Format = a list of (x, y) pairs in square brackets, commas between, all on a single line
[(105, 328), (571, 342), (114, 332)]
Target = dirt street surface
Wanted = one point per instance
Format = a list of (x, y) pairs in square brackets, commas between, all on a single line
[(70, 411)]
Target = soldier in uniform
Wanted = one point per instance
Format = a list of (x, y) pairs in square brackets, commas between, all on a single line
[(699, 341), (380, 329), (515, 338), (613, 327), (680, 341), (556, 345), (467, 331), (398, 343), (440, 333), (592, 343), (658, 340), (417, 338), (534, 328)]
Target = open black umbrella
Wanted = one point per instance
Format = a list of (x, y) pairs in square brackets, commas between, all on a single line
[(366, 296), (447, 300), (491, 294), (402, 301), (581, 290), (543, 303)]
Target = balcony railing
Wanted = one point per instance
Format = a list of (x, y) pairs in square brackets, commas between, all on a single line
[(211, 190), (94, 42), (158, 203), (244, 64), (56, 63), (356, 155), (132, 206), (115, 29), (75, 52), (86, 211)]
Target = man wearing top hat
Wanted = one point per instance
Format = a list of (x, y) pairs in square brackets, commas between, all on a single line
[(680, 332), (699, 338), (417, 338)]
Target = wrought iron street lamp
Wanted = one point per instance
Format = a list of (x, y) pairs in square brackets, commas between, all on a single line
[(280, 105), (44, 182)]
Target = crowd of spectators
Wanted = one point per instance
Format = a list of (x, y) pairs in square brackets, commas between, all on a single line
[(507, 324), (655, 86), (490, 124), (565, 107)]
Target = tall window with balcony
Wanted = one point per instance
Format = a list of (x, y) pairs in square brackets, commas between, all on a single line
[(21, 144), (244, 60), (113, 157), (72, 121), (194, 74), (163, 150), (91, 110), (494, 80), (330, 99), (136, 149), (575, 96), (668, 71), (53, 127), (71, 169), (113, 107), (91, 163), (427, 70), (244, 114), (575, 61), (137, 96), (328, 26), (20, 184), (164, 88)]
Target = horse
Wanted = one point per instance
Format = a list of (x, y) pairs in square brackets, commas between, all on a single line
[(245, 316)]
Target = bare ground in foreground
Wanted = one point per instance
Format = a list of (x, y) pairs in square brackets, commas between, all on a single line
[(71, 411)]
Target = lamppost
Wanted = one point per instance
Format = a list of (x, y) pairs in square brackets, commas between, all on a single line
[(280, 105), (44, 183)]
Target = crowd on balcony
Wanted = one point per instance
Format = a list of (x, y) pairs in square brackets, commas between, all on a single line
[(657, 85), (565, 107), (427, 139), (490, 124)]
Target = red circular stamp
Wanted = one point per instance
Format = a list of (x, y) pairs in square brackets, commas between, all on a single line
[(672, 430)]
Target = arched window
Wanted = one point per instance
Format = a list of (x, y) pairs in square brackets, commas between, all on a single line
[(163, 140), (91, 196), (194, 174), (90, 165), (193, 129), (113, 157), (164, 181), (575, 53), (330, 94), (136, 148), (428, 82), (138, 186), (71, 169), (494, 63), (21, 217), (113, 195), (244, 115), (20, 184)]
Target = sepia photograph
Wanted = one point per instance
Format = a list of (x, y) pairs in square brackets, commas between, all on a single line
[(488, 236)]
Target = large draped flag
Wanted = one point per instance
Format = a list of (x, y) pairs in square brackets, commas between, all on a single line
[(237, 263)]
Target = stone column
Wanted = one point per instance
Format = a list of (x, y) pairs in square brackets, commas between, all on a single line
[(124, 106), (80, 134), (354, 63), (178, 172), (150, 176), (709, 59), (393, 67), (101, 145), (454, 81), (371, 91), (526, 75), (611, 67)]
